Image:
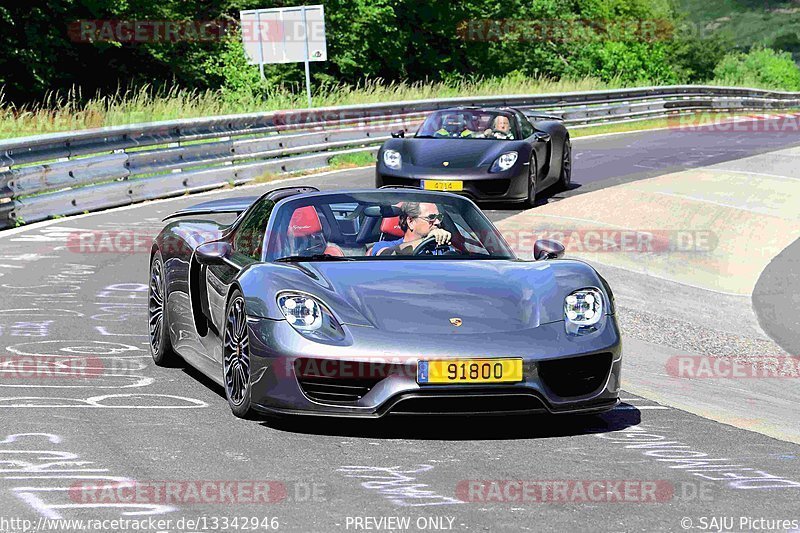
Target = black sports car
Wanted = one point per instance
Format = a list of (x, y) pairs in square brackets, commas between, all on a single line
[(496, 154), (287, 308)]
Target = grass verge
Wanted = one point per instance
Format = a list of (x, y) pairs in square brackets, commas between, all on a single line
[(71, 111)]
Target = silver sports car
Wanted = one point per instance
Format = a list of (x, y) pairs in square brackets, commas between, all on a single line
[(376, 302)]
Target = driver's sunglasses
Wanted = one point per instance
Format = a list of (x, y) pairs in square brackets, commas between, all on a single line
[(430, 219)]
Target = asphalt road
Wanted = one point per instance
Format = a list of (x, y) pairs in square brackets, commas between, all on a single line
[(111, 415)]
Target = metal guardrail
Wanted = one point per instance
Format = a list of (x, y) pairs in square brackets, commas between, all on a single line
[(69, 173)]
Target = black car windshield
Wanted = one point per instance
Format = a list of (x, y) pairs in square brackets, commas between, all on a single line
[(469, 124), (382, 225)]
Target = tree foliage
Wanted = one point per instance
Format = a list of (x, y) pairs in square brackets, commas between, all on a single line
[(631, 41)]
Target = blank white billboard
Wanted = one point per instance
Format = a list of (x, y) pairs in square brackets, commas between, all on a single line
[(279, 35)]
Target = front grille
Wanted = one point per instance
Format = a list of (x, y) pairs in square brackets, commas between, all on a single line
[(340, 382), (336, 391), (490, 403), (576, 376), (492, 187)]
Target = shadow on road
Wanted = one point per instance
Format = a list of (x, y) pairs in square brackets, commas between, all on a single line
[(462, 427), (497, 211)]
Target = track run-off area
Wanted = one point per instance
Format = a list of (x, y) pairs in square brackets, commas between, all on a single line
[(694, 445)]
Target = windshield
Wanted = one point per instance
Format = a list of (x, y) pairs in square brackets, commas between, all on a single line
[(469, 124), (382, 225)]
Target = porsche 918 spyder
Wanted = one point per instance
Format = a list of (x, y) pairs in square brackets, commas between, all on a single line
[(292, 311), (496, 154)]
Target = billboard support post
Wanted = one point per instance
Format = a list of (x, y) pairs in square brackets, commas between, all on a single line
[(260, 47), (308, 69)]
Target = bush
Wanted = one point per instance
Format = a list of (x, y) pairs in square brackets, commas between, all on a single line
[(761, 67)]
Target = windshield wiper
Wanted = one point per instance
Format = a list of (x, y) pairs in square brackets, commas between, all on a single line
[(314, 257)]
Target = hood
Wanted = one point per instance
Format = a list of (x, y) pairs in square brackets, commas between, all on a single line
[(459, 153), (421, 296)]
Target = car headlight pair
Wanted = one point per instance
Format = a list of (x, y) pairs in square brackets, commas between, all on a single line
[(309, 316), (392, 159), (504, 162), (583, 309)]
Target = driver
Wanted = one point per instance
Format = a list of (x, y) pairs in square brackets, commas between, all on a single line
[(501, 128), (454, 125), (419, 221)]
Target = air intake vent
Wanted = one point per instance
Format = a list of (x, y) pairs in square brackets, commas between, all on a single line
[(462, 404), (576, 376), (340, 382)]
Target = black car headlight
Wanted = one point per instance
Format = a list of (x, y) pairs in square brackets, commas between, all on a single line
[(392, 159), (309, 316), (583, 310), (504, 162)]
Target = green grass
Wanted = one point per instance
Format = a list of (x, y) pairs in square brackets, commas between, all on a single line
[(358, 159), (67, 112)]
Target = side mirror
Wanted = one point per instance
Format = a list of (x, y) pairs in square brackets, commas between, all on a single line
[(213, 253), (547, 249), (541, 137), (398, 134)]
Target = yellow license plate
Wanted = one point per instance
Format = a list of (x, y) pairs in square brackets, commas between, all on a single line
[(436, 185), (469, 371)]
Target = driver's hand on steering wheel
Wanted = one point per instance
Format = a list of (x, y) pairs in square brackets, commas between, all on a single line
[(442, 236)]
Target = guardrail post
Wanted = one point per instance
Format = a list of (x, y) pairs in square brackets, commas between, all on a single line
[(6, 209)]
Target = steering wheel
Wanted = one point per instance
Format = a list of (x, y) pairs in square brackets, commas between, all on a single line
[(428, 246), (490, 132)]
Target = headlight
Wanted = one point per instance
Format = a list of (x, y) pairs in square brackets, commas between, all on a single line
[(302, 312), (310, 317), (504, 162), (392, 159), (584, 307)]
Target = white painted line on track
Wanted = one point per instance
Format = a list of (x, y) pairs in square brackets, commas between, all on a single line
[(686, 197), (746, 172)]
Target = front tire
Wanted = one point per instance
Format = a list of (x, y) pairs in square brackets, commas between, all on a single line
[(160, 343), (566, 166), (236, 357), (533, 177)]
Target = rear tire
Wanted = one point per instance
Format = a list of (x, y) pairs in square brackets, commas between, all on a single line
[(236, 358), (533, 177), (158, 325), (566, 166)]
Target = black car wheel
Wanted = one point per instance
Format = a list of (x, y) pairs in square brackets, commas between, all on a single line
[(160, 344), (533, 175), (566, 166), (236, 357)]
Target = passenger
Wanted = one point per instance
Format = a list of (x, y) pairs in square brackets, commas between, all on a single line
[(455, 126)]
